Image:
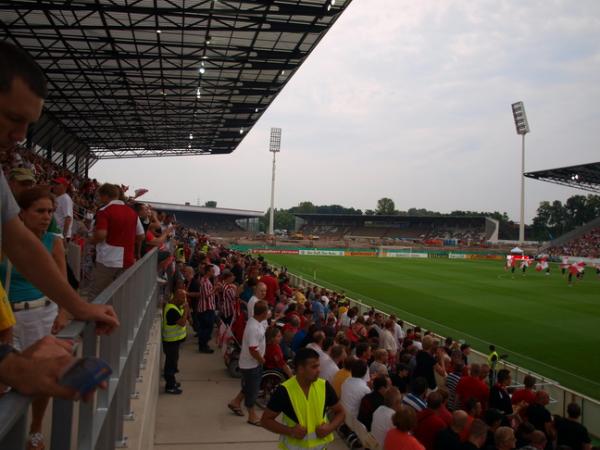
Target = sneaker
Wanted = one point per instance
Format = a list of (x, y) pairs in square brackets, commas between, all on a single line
[(173, 391), (206, 350), (161, 280)]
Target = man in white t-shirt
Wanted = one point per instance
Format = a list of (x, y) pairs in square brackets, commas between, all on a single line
[(398, 331), (260, 292), (63, 214), (252, 357), (331, 361), (382, 417), (355, 388)]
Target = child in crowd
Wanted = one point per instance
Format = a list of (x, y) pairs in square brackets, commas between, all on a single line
[(273, 354)]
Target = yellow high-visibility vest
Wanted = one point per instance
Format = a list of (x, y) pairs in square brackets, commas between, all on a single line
[(491, 362), (172, 333), (310, 414)]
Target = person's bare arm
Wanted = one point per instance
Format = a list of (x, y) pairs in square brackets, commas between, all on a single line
[(98, 236), (338, 418), (268, 422), (32, 259), (138, 245), (67, 226), (256, 355)]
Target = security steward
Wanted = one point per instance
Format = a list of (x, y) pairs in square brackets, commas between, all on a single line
[(305, 401), (492, 361), (174, 320)]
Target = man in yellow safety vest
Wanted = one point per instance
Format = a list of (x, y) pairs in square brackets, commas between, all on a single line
[(174, 320), (304, 400)]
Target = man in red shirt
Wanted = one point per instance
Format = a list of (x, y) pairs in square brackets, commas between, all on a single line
[(272, 287), (117, 233), (527, 394), (429, 421), (471, 386)]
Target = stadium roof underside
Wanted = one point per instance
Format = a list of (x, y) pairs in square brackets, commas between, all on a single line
[(132, 79), (237, 213), (584, 176)]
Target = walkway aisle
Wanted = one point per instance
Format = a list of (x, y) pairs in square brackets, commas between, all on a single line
[(199, 418)]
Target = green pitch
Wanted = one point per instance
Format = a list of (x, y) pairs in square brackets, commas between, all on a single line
[(543, 324)]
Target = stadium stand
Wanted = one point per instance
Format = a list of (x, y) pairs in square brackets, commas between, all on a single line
[(586, 245), (453, 230)]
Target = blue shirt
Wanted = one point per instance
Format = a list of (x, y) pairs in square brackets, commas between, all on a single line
[(22, 290), (318, 311)]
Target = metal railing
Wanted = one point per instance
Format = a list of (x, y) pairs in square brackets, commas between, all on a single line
[(99, 423), (560, 395)]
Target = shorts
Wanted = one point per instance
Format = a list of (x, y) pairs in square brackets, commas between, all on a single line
[(32, 325), (251, 379)]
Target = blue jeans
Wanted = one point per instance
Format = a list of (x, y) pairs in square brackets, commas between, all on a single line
[(251, 385), (206, 323)]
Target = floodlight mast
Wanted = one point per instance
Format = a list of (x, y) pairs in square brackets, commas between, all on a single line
[(522, 126), (274, 147)]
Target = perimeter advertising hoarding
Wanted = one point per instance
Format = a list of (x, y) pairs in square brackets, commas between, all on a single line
[(457, 256), (271, 251), (318, 252), (360, 253), (405, 255)]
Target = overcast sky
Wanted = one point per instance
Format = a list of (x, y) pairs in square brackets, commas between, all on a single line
[(411, 100)]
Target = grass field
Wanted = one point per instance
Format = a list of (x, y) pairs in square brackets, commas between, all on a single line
[(542, 324)]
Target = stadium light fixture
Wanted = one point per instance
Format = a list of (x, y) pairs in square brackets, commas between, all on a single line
[(274, 147), (522, 126), (158, 31)]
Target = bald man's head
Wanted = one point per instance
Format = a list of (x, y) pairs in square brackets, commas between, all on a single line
[(459, 420)]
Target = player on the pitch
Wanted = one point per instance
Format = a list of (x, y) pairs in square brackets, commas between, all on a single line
[(542, 265), (524, 264), (564, 265), (577, 269), (509, 262)]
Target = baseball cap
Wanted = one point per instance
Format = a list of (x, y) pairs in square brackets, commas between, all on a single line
[(61, 180), (21, 174)]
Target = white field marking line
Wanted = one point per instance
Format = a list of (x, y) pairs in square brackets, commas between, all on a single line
[(461, 332)]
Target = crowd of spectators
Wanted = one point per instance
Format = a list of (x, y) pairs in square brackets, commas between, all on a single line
[(587, 245), (409, 389)]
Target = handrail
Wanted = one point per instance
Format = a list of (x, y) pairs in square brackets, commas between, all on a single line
[(133, 295), (590, 407)]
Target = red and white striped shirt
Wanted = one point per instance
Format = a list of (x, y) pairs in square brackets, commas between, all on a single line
[(206, 301), (229, 299)]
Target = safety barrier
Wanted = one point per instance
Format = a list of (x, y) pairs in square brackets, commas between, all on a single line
[(98, 424), (560, 395)]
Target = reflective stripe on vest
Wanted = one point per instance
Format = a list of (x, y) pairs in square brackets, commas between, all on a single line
[(309, 412), (172, 333)]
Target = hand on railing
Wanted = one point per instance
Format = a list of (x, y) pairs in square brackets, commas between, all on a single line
[(104, 316), (37, 370)]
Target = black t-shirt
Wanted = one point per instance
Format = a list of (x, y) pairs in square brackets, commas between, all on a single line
[(238, 271), (401, 383), (571, 433), (538, 416), (424, 367), (280, 401), (447, 439), (194, 286)]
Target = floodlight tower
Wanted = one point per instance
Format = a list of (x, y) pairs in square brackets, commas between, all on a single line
[(274, 147), (522, 127)]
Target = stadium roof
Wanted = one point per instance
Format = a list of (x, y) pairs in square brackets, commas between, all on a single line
[(144, 78), (206, 210), (583, 176)]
